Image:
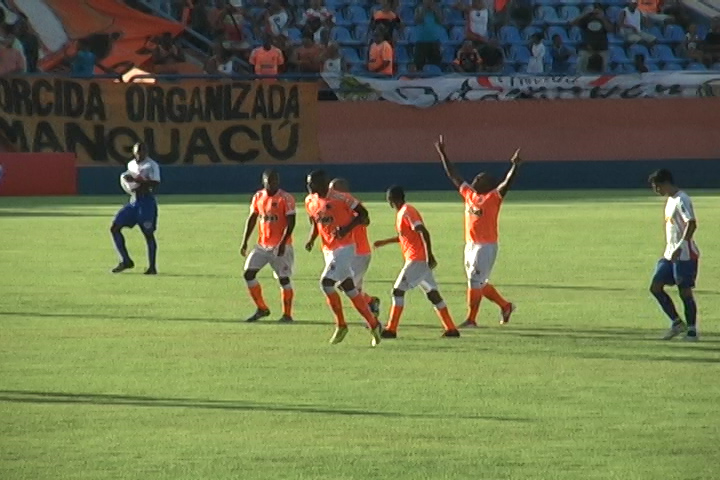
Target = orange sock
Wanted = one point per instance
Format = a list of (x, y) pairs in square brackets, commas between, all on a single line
[(445, 318), (367, 297), (257, 296), (333, 299), (474, 295), (495, 297), (395, 313), (287, 298), (362, 307)]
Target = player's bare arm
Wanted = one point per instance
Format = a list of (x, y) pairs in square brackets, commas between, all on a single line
[(450, 170), (362, 218), (428, 244), (249, 227), (386, 241), (688, 233), (288, 233), (505, 185), (313, 235)]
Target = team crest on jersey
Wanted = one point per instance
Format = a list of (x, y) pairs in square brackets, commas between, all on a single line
[(475, 211), (274, 204)]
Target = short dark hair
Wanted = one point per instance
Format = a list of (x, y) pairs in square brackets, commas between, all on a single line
[(269, 172), (661, 176), (396, 192), (317, 174)]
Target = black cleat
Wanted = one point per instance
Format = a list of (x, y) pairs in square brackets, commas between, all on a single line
[(388, 334), (451, 334), (258, 315), (285, 319), (151, 271), (122, 266)]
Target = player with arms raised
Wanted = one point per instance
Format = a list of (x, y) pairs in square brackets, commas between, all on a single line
[(483, 199), (274, 209), (363, 254), (416, 247), (679, 265), (139, 181), (333, 217)]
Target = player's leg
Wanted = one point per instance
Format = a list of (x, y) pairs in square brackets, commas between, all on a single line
[(283, 269), (147, 220), (361, 264), (125, 217), (685, 273), (486, 257), (256, 260), (664, 276), (328, 280), (409, 277), (429, 286), (475, 285)]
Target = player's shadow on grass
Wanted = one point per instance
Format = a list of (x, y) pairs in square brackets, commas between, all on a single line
[(631, 335), (23, 396), (47, 214)]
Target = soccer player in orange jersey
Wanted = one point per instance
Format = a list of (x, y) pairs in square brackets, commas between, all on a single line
[(333, 217), (274, 209), (414, 240), (483, 199), (363, 254)]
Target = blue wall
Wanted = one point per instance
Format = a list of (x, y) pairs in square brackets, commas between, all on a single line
[(221, 179)]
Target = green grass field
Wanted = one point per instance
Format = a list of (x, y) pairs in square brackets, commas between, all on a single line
[(135, 377)]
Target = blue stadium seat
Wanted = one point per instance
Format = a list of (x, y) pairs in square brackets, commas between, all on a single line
[(571, 2), (702, 30), (618, 55), (696, 67), (454, 17), (341, 20), (557, 30), (407, 15), (357, 15), (576, 35), (652, 66), (613, 13), (442, 33), (508, 69), (448, 54), (529, 31), (715, 66), (408, 36), (674, 34), (457, 34), (510, 35), (294, 35), (432, 70), (351, 55), (637, 49), (546, 2), (548, 14), (342, 36), (519, 54), (569, 13), (615, 39), (401, 54), (663, 53), (361, 33), (656, 32), (672, 67)]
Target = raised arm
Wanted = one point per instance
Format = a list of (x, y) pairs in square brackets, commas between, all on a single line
[(449, 167), (428, 244), (512, 173), (249, 227)]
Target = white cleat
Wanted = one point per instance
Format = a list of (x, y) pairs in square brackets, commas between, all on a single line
[(676, 329)]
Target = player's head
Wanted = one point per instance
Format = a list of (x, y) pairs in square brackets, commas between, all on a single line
[(140, 151), (662, 181), (483, 182), (396, 196), (317, 182), (271, 180), (340, 184)]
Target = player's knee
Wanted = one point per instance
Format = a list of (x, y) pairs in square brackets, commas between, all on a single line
[(284, 281), (347, 285), (434, 296), (398, 293), (685, 293), (326, 282), (656, 288), (249, 275), (115, 228)]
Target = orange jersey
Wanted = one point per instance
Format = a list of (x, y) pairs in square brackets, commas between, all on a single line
[(412, 243), (272, 212), (330, 213), (481, 215), (360, 237), (266, 62)]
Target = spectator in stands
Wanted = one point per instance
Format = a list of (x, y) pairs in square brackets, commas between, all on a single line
[(316, 19), (690, 46), (334, 63), (220, 62), (711, 44), (386, 18), (521, 11), (536, 64), (560, 54), (308, 57), (226, 21), (276, 24), (11, 60), (200, 18), (630, 23), (679, 13), (380, 54), (83, 64), (30, 44), (468, 59), (650, 9), (268, 59), (639, 61), (476, 20), (492, 56), (428, 21), (595, 26), (167, 55)]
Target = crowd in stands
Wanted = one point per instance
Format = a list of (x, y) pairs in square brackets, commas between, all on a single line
[(398, 37)]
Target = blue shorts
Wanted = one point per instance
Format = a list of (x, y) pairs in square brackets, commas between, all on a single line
[(681, 273), (142, 212)]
